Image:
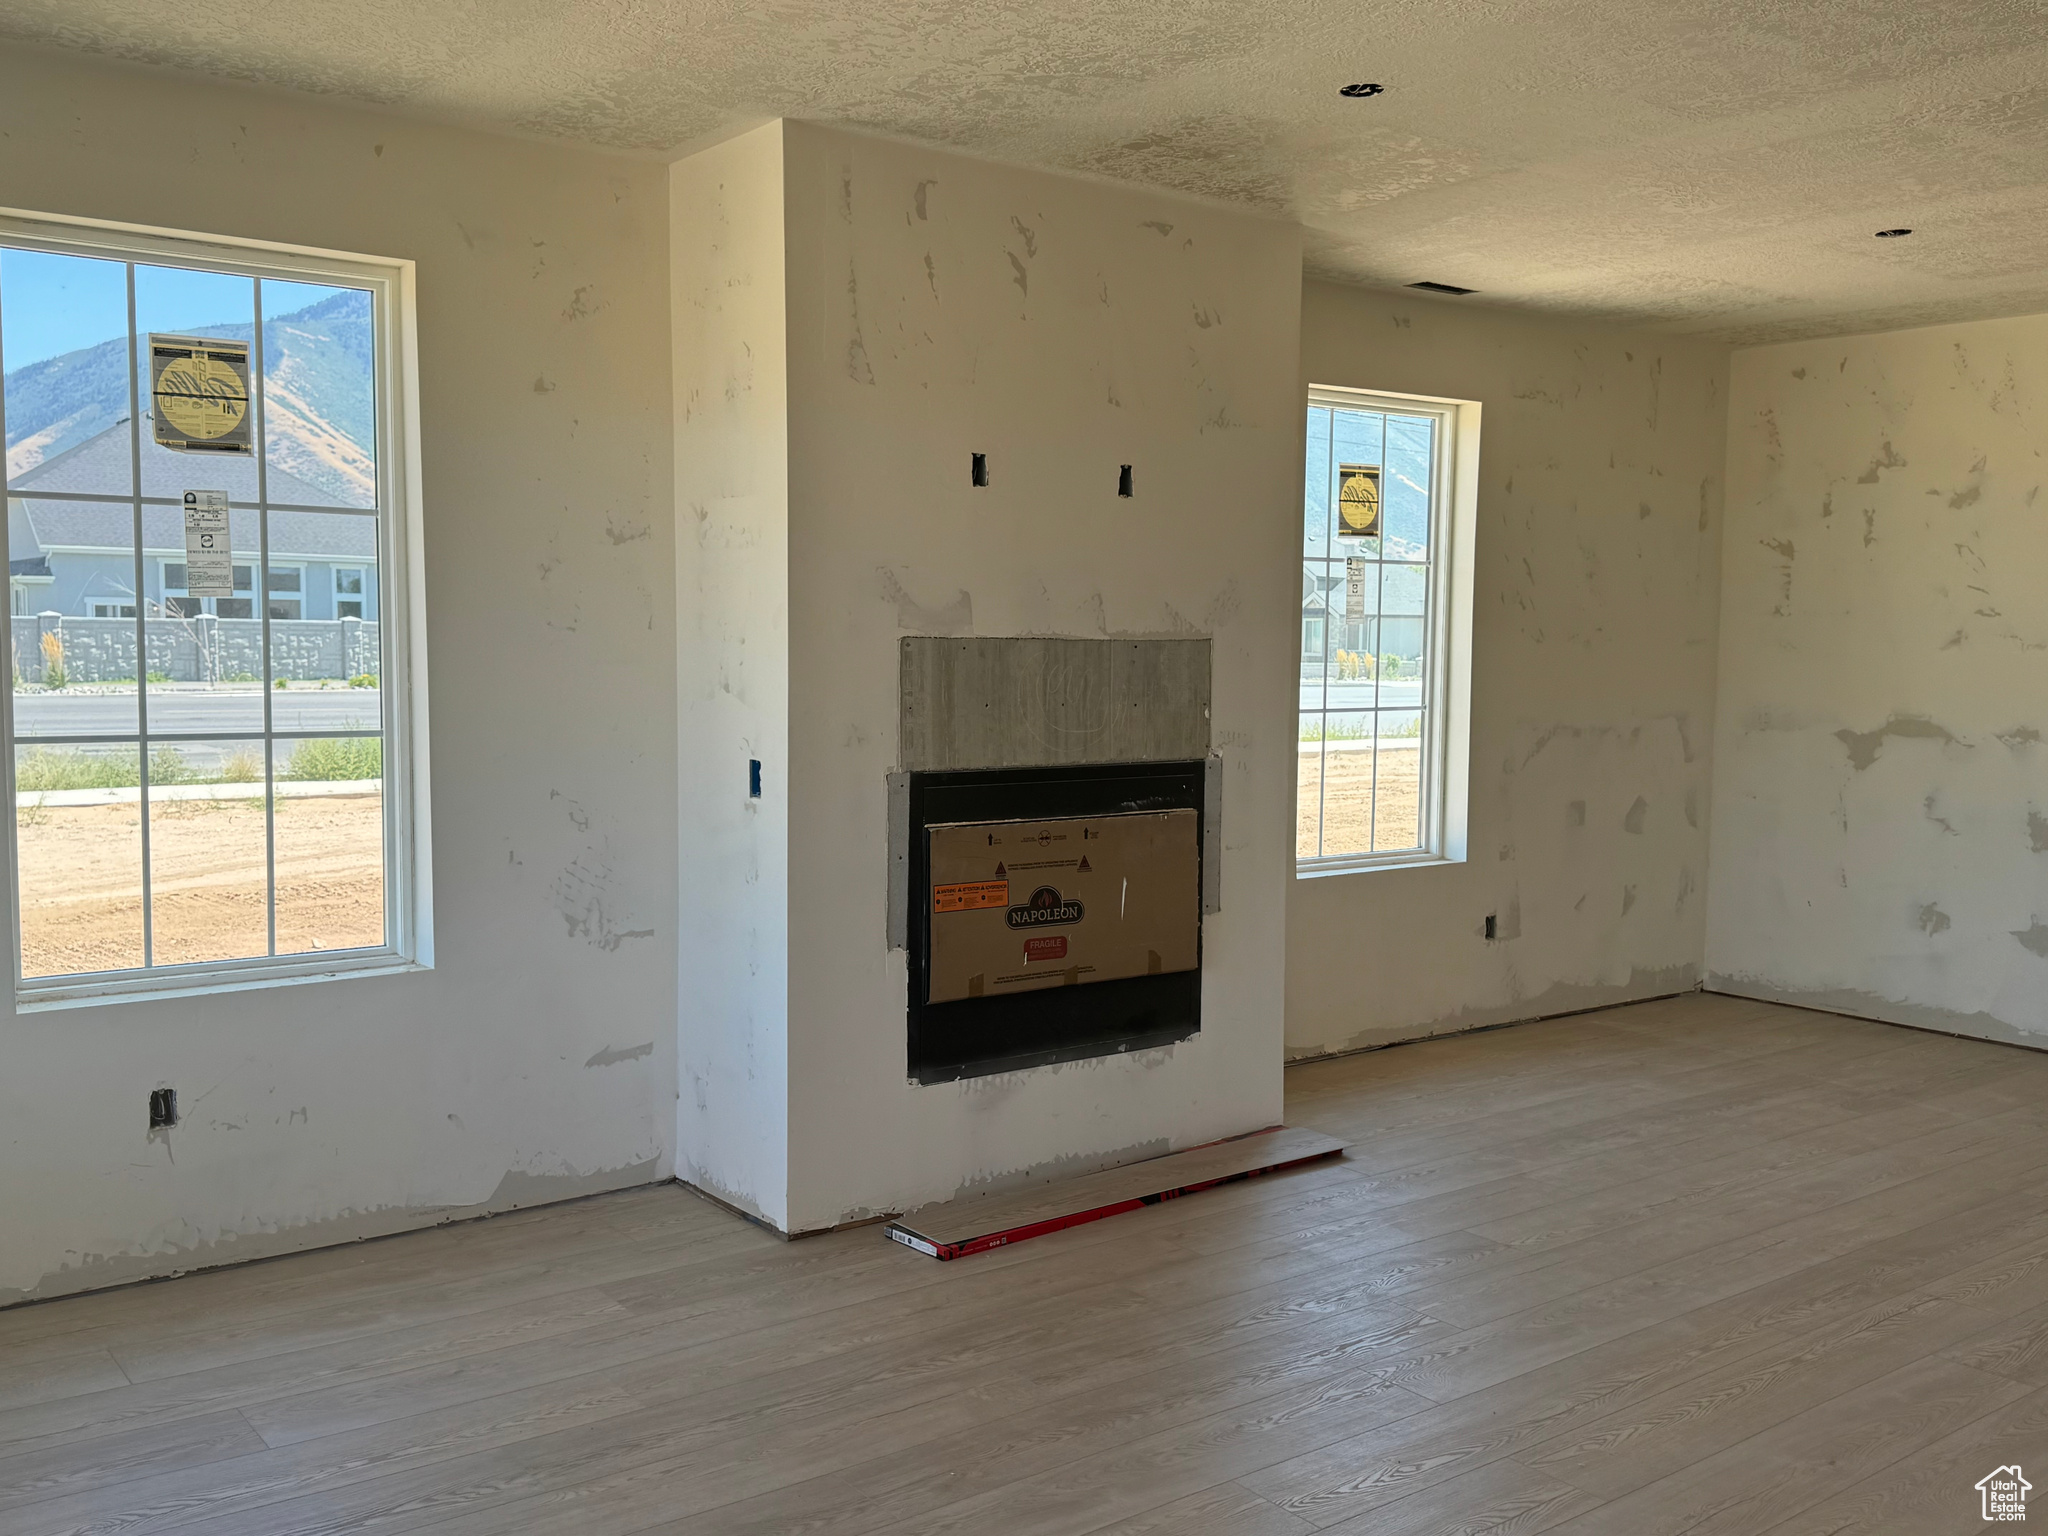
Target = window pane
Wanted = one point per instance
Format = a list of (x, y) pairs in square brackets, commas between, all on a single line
[(1316, 482), (1347, 782), (1404, 588), (205, 653), (74, 672), (328, 659), (184, 301), (1397, 820), (1400, 663), (78, 837), (207, 865), (330, 844), (1315, 631), (1411, 442), (1309, 788), (1358, 443), (1354, 660), (320, 394), (64, 325), (283, 579)]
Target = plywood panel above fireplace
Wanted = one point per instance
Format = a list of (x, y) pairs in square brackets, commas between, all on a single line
[(1008, 702)]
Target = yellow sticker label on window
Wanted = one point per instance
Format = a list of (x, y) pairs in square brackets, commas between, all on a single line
[(1358, 501)]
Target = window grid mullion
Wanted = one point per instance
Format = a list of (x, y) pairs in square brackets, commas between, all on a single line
[(1379, 609), (173, 501), (141, 627), (257, 403), (7, 705), (1323, 717)]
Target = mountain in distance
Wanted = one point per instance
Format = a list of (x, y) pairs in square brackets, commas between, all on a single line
[(318, 365)]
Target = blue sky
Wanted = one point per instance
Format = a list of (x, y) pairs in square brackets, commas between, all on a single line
[(51, 304)]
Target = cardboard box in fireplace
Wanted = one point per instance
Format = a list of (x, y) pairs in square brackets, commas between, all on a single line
[(1018, 905)]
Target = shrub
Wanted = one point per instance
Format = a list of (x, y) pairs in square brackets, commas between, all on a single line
[(53, 660), (242, 767), (363, 680), (336, 758), (167, 765), (1335, 728), (47, 768)]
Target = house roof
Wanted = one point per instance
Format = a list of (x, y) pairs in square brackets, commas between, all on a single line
[(39, 566), (111, 526), (101, 466)]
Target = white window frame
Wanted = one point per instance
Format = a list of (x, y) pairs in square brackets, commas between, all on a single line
[(408, 882), (1447, 685)]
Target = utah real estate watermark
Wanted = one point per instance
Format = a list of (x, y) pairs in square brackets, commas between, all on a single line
[(2005, 1493)]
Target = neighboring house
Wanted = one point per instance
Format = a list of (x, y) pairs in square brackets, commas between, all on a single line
[(76, 557)]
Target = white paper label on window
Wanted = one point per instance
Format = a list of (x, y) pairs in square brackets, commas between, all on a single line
[(1354, 590), (209, 564)]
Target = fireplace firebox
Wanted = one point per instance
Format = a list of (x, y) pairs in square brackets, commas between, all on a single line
[(1055, 914)]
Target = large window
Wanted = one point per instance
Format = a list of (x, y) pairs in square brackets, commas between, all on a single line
[(1379, 766), (209, 789)]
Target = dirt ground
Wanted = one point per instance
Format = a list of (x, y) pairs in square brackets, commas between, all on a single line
[(81, 901), (1347, 804)]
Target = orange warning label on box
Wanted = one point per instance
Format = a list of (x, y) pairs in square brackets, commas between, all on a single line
[(970, 896)]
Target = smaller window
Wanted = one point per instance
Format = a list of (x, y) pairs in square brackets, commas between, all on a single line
[(285, 587), (113, 610), (178, 604), (348, 592)]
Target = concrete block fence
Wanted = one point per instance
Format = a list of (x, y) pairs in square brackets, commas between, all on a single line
[(197, 650)]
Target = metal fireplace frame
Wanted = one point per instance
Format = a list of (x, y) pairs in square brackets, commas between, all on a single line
[(978, 1036)]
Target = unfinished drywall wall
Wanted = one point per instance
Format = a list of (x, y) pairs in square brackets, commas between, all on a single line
[(538, 1058), (1594, 609), (941, 307), (732, 669), (1880, 818)]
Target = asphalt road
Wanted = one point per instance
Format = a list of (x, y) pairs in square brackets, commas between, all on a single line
[(175, 711), (1361, 695)]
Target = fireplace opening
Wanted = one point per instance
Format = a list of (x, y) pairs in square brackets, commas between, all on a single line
[(1055, 914)]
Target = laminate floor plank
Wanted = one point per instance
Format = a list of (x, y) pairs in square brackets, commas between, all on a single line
[(1542, 1407), (1807, 1459), (1698, 1266), (1932, 1492)]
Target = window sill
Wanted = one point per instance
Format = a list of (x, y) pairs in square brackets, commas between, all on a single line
[(1323, 868), (204, 981)]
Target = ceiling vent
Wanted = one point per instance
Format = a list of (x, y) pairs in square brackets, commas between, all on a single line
[(1441, 288)]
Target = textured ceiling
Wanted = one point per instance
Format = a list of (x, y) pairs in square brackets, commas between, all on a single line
[(1709, 166)]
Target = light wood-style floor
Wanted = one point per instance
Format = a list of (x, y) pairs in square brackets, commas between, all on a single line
[(1694, 1266)]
